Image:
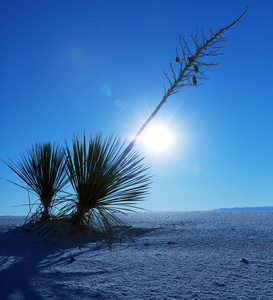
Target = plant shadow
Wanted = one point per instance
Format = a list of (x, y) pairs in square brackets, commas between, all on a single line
[(27, 253)]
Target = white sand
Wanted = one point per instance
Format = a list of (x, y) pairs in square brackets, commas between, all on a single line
[(177, 255)]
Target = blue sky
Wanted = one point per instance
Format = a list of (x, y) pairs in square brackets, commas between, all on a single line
[(86, 66)]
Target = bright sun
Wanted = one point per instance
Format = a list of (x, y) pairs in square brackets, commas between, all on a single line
[(157, 138)]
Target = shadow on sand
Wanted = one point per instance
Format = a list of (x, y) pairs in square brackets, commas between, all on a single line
[(27, 253)]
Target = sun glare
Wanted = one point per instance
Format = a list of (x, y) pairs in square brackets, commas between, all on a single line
[(157, 138)]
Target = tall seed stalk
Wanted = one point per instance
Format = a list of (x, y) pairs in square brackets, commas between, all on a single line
[(190, 63)]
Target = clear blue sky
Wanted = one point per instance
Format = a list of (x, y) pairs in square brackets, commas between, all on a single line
[(74, 66)]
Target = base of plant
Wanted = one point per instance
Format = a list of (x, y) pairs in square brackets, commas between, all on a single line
[(62, 230)]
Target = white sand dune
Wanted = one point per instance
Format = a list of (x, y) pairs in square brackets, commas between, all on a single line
[(175, 255)]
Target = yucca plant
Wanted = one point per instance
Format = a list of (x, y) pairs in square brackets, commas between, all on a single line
[(43, 171), (104, 181)]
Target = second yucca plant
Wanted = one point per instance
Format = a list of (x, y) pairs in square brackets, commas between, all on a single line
[(105, 181)]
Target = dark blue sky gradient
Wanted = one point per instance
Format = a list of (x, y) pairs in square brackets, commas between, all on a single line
[(86, 66)]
